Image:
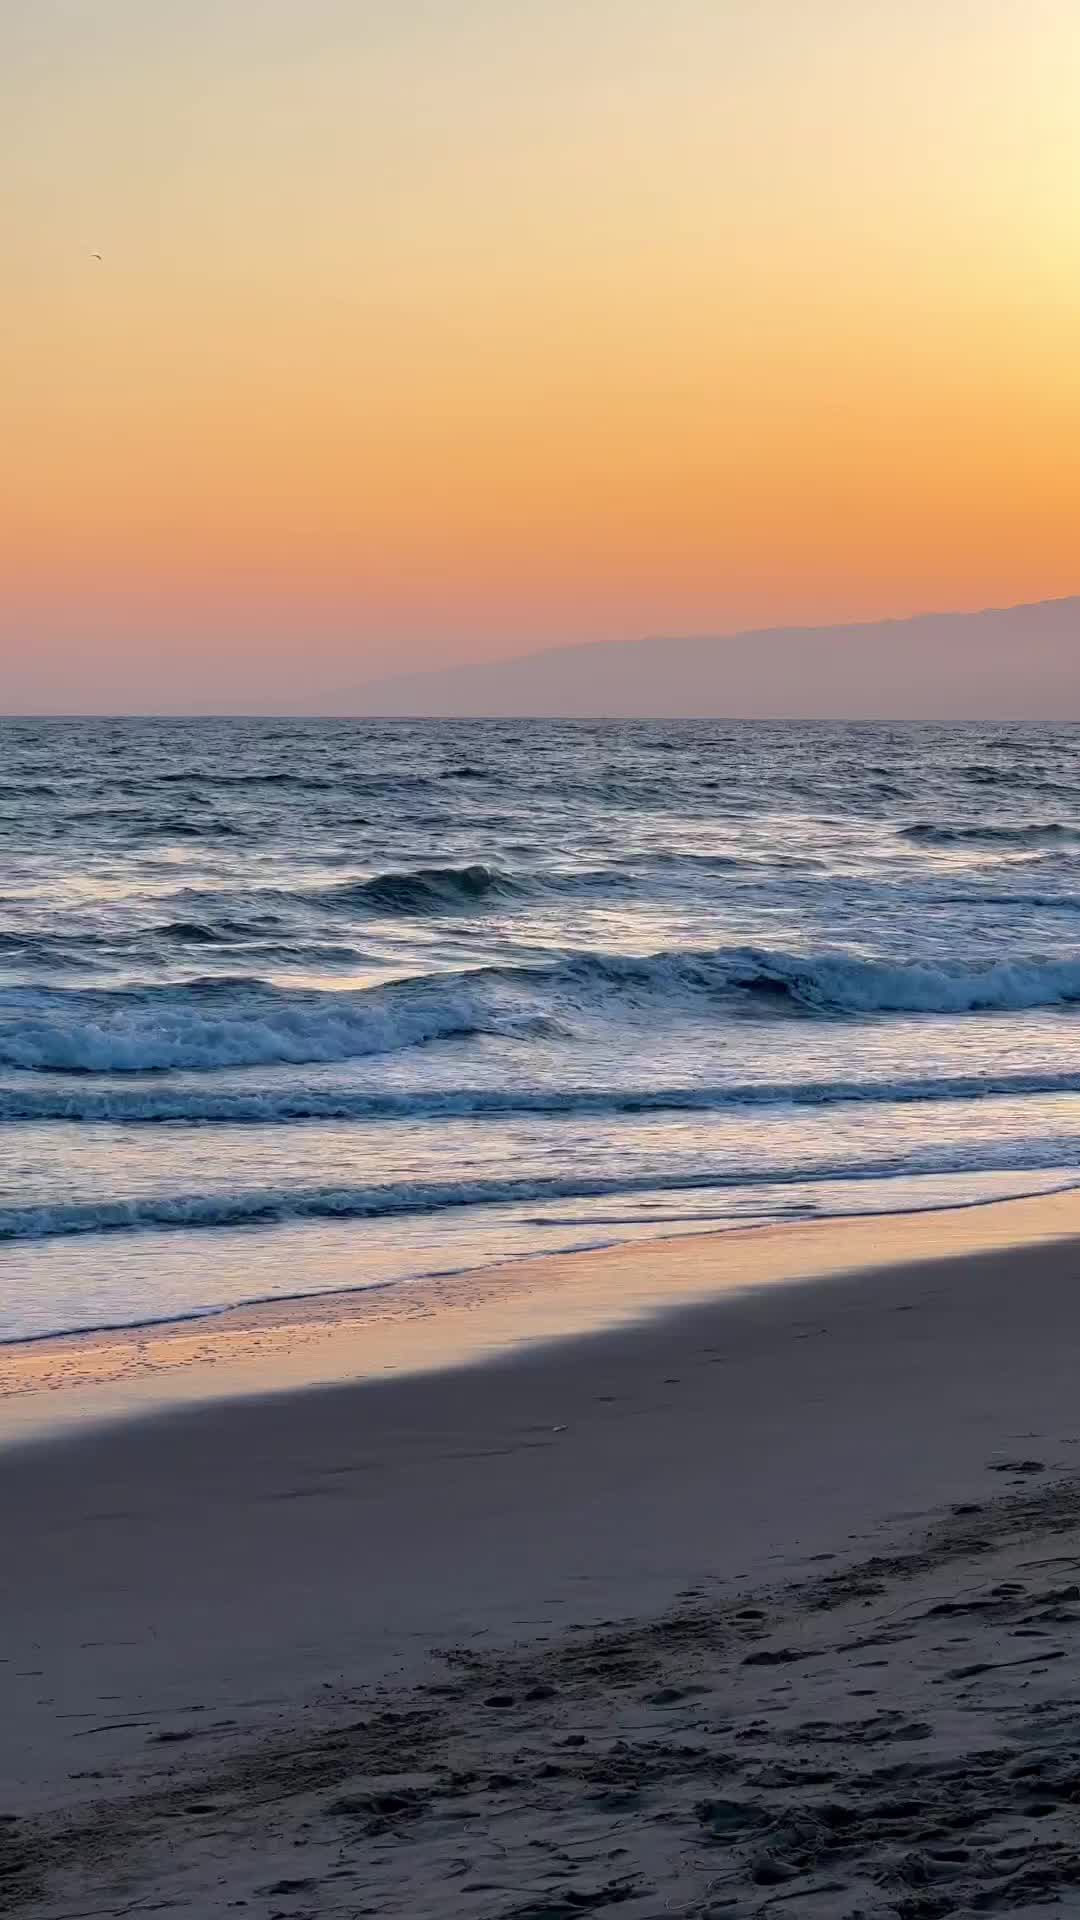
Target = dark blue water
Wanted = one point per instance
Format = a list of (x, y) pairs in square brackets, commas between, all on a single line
[(293, 1005)]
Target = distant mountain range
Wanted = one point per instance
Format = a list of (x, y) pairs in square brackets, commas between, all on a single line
[(1004, 663)]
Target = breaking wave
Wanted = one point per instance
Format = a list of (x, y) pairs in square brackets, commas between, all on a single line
[(213, 1024), (829, 983)]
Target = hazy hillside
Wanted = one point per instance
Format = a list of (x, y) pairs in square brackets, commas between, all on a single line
[(1016, 662)]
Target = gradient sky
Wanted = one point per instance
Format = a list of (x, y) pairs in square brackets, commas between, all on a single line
[(439, 329)]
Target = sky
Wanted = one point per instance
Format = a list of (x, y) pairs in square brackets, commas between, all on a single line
[(438, 330)]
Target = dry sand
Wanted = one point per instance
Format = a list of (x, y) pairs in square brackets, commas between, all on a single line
[(771, 1601)]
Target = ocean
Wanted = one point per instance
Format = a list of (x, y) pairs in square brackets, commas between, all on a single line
[(295, 1006)]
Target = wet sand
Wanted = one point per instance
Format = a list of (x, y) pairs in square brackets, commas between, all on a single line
[(774, 1593)]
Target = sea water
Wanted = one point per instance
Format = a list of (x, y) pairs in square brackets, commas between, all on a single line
[(288, 1006)]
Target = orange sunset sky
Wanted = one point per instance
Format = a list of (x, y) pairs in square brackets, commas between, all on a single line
[(429, 330)]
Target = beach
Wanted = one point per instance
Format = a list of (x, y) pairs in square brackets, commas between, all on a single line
[(734, 1569)]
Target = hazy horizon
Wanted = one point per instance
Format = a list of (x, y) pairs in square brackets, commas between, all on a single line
[(1021, 663)]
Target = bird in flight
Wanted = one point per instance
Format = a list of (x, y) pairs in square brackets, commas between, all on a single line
[(97, 256)]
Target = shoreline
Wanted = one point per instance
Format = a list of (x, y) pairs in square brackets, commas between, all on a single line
[(56, 1383), (163, 1323)]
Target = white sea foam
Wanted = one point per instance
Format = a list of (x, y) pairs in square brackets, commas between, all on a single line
[(153, 1031)]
